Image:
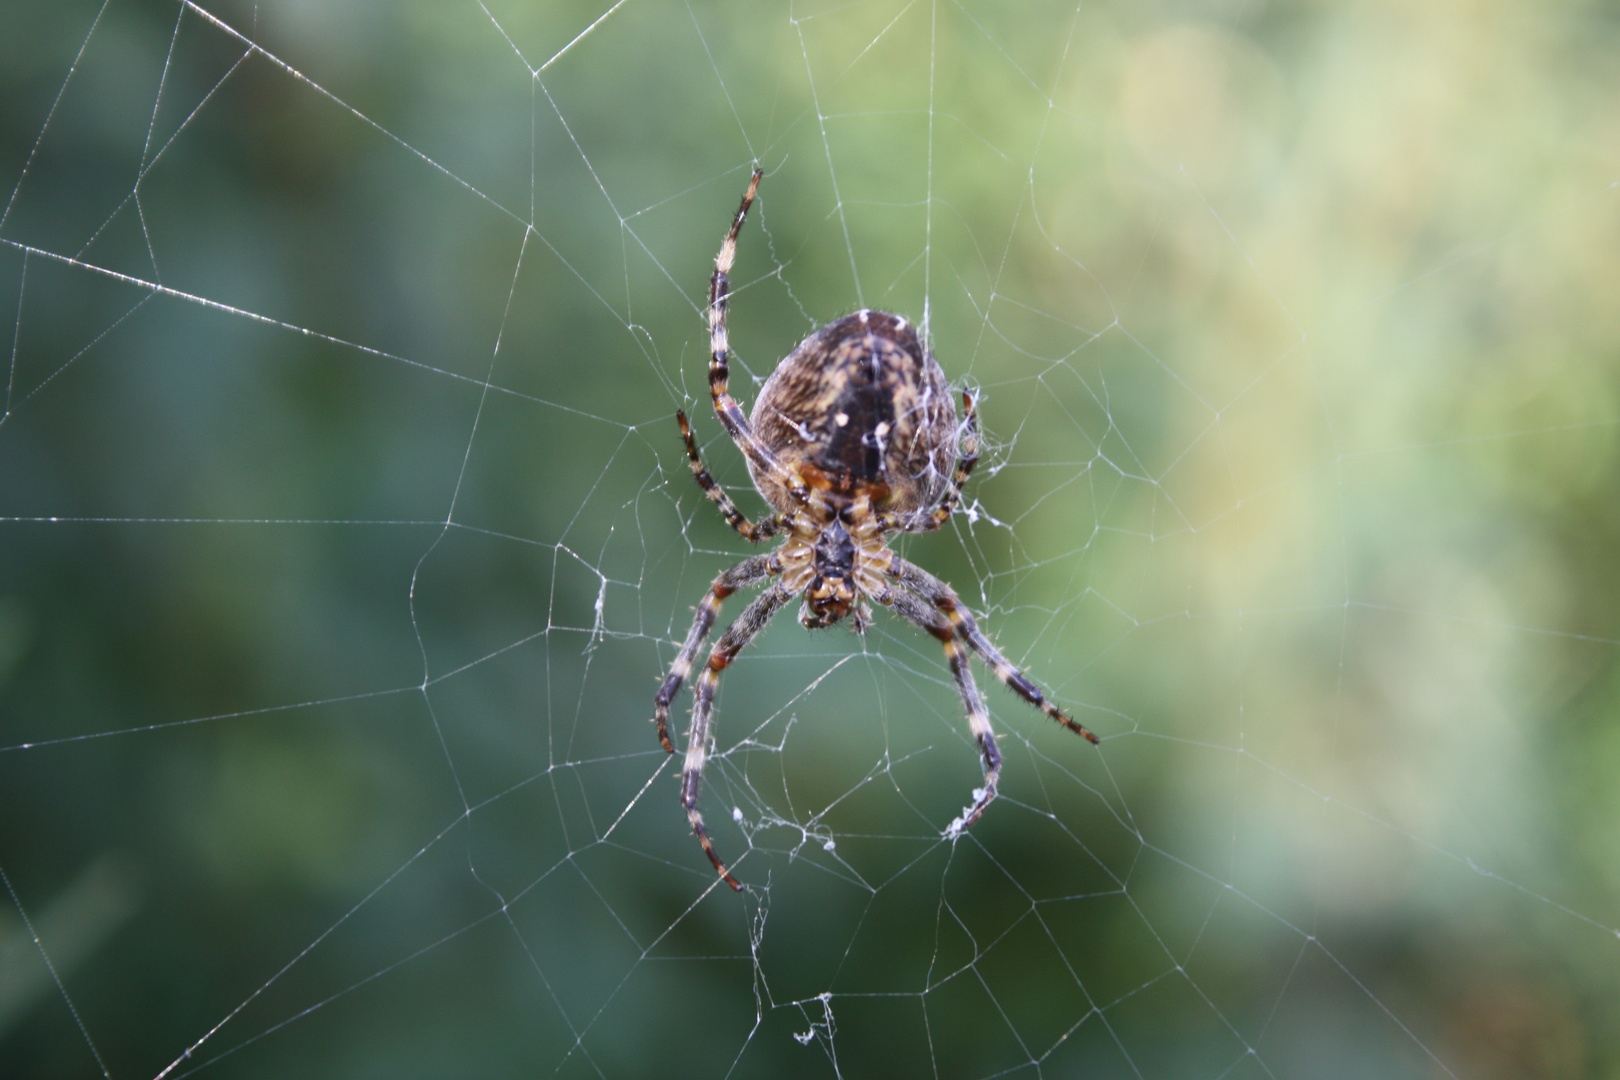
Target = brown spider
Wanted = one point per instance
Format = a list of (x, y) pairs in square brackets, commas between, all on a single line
[(850, 442)]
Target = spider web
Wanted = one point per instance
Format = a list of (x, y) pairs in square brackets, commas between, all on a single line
[(346, 532)]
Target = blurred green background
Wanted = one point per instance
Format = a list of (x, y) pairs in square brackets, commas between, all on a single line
[(345, 532)]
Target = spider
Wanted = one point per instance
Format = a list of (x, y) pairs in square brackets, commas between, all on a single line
[(851, 442)]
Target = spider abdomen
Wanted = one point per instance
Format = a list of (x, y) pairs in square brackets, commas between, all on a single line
[(860, 407)]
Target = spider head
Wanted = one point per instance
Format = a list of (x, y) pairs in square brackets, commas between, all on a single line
[(831, 592)]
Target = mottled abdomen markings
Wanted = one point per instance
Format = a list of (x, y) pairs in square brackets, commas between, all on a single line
[(860, 404)]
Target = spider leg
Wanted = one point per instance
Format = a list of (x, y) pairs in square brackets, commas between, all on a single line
[(725, 406), (943, 597), (748, 572), (700, 736), (918, 612), (766, 529), (942, 512)]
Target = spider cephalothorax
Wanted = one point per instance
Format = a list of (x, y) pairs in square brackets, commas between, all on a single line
[(832, 592), (851, 441)]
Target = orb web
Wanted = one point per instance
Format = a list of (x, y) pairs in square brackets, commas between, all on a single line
[(348, 530)]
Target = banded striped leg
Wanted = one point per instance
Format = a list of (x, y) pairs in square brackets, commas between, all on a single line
[(700, 736), (725, 406), (942, 512), (748, 572), (918, 612), (766, 529), (943, 597)]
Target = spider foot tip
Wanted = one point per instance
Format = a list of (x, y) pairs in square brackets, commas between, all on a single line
[(970, 814)]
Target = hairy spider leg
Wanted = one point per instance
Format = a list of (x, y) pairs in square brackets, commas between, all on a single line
[(748, 572), (725, 406), (918, 612), (699, 736), (964, 466), (928, 521), (943, 597), (766, 529)]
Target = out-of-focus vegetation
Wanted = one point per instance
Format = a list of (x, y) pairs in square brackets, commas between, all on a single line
[(344, 532)]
